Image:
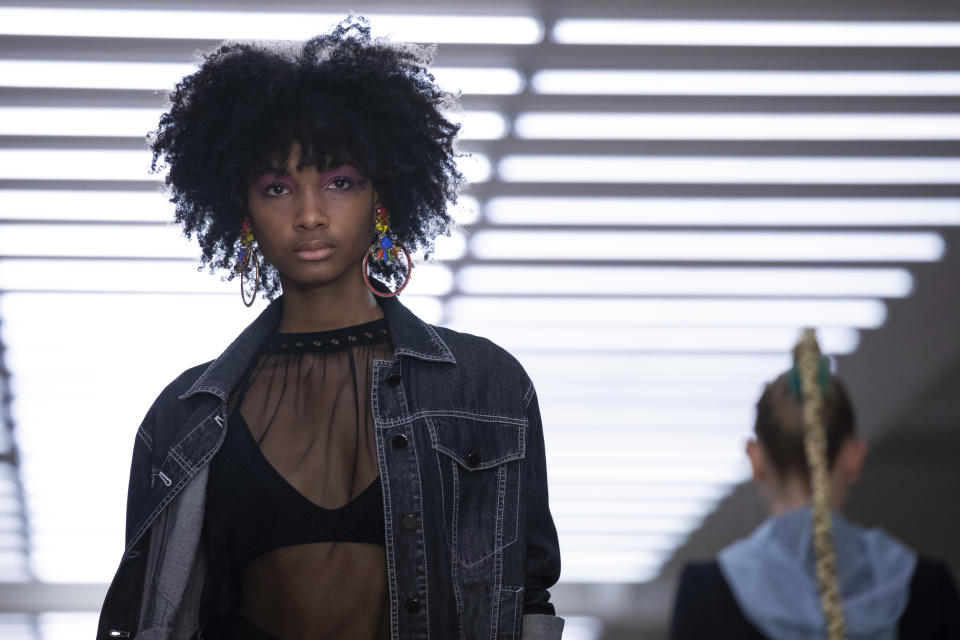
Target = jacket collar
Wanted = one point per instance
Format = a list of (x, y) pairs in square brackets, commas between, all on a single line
[(411, 337)]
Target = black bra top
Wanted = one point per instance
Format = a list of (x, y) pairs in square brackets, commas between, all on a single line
[(252, 509)]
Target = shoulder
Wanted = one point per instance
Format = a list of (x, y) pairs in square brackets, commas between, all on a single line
[(166, 412), (167, 402), (933, 581), (933, 609), (702, 576), (184, 381), (704, 603), (479, 352), (932, 573)]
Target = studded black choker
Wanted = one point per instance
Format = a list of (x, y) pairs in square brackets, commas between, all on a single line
[(327, 341)]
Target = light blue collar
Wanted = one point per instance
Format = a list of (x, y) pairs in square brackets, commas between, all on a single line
[(773, 578)]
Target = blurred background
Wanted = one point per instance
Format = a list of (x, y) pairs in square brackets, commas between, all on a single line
[(662, 194)]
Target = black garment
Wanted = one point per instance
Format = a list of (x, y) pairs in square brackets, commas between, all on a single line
[(253, 509), (706, 609), (294, 521), (232, 626)]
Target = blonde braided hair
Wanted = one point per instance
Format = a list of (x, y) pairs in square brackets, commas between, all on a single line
[(808, 363)]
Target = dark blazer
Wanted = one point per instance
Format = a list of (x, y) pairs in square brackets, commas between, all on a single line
[(705, 606)]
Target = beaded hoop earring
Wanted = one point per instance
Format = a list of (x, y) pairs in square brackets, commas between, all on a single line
[(385, 249), (248, 254)]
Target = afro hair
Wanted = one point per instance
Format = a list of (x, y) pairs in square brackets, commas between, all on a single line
[(344, 97)]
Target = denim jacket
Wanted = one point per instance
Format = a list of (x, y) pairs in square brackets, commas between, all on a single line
[(460, 448)]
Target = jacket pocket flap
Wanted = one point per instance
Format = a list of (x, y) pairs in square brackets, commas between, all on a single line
[(478, 443)]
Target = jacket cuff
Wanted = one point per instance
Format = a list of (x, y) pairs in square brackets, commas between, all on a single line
[(537, 626)]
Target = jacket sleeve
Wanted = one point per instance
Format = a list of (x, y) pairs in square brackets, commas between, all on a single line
[(543, 549)]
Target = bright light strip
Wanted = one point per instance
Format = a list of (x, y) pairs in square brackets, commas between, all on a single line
[(479, 80), (729, 169), (74, 74), (588, 569), (562, 392), (78, 121), (627, 424), (260, 25), (662, 440), (691, 281), (717, 420), (582, 628), (629, 523), (677, 368), (475, 168), (162, 76), (736, 126), (703, 421), (85, 205), (18, 626), (599, 507), (465, 212), (762, 33), (452, 247), (559, 391), (480, 125), (695, 246), (754, 83), (94, 241), (67, 626), (159, 276), (585, 490), (137, 122), (835, 340), (599, 558), (129, 206), (770, 212), (647, 474), (76, 164), (614, 312)]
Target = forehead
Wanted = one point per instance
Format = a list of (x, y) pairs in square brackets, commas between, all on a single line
[(298, 156)]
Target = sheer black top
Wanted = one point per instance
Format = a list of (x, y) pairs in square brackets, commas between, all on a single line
[(294, 522)]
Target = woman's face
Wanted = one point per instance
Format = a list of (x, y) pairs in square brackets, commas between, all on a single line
[(313, 225)]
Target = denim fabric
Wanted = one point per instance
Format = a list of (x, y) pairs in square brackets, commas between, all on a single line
[(460, 447)]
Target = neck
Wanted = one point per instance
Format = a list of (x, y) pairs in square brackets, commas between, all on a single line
[(794, 493), (332, 306)]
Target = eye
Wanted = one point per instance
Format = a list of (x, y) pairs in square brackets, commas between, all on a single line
[(276, 189), (341, 183)]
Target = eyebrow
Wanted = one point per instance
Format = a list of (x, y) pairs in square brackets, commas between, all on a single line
[(284, 172), (269, 169)]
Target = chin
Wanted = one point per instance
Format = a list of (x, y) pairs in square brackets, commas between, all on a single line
[(317, 277)]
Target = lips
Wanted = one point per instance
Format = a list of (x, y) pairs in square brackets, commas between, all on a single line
[(313, 250)]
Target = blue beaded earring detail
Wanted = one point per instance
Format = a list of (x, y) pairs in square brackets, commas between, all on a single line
[(385, 249), (248, 255)]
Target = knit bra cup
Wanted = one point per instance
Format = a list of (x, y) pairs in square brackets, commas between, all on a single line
[(271, 513), (294, 499)]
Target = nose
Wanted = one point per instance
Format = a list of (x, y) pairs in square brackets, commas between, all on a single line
[(312, 212)]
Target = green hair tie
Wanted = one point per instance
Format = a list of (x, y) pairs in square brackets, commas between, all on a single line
[(823, 379)]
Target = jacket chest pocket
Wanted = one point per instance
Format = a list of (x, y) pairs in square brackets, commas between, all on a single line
[(479, 460)]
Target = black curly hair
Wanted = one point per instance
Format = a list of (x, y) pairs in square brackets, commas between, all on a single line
[(344, 97)]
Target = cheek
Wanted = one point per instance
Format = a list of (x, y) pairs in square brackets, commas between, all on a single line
[(266, 234)]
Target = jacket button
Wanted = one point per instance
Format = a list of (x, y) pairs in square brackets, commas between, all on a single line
[(410, 522), (473, 459), (399, 441), (393, 379), (412, 605)]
